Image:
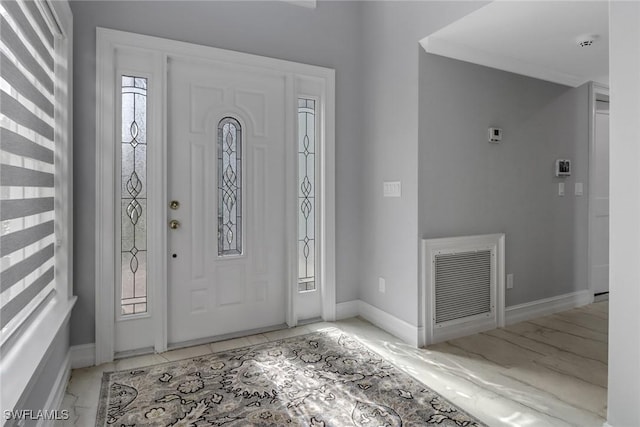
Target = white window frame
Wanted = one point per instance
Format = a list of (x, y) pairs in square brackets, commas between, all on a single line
[(302, 80), (22, 353)]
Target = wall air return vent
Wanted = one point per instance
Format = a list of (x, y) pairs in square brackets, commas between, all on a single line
[(463, 285)]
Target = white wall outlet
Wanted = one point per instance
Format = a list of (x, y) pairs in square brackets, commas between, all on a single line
[(509, 281), (382, 285), (561, 189), (579, 189), (392, 189)]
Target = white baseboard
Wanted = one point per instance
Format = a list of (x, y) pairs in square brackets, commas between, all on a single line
[(82, 356), (463, 330), (54, 401), (414, 334), (346, 310), (397, 327), (547, 306)]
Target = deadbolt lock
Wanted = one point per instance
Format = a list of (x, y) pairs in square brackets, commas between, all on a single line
[(174, 204), (174, 224)]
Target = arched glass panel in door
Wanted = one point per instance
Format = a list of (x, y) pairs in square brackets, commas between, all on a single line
[(229, 187)]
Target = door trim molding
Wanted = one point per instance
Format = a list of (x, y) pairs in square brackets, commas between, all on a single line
[(595, 89), (105, 190), (107, 41)]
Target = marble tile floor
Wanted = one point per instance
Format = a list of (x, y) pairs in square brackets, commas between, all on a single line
[(551, 371)]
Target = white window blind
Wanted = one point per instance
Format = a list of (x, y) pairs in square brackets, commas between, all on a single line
[(27, 161)]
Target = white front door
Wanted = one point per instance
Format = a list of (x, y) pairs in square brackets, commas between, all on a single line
[(600, 201), (245, 147), (226, 170)]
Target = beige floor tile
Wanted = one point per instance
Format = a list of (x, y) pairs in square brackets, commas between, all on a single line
[(587, 370), (565, 324), (257, 339), (566, 388), (586, 319), (496, 350), (187, 353), (139, 362), (68, 404), (85, 417), (599, 307), (521, 341), (479, 387), (85, 388), (320, 326), (229, 344), (287, 333), (574, 344), (547, 372)]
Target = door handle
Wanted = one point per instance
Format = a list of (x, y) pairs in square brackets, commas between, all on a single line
[(174, 224)]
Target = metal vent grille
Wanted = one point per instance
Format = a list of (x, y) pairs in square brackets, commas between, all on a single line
[(462, 285)]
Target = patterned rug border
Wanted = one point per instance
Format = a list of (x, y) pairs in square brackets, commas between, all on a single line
[(320, 331), (106, 375)]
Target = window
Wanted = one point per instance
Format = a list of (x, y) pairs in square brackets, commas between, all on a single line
[(35, 187), (29, 163), (229, 187), (306, 194), (133, 196)]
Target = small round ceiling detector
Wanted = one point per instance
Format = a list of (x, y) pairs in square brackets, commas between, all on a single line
[(586, 40)]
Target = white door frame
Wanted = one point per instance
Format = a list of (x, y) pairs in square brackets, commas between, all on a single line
[(301, 80), (595, 89)]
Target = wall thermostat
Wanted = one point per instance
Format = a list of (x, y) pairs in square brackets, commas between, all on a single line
[(563, 167), (495, 135)]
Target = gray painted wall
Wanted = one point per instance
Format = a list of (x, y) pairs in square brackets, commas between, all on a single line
[(389, 227), (391, 125), (43, 381), (327, 36), (624, 223), (469, 186)]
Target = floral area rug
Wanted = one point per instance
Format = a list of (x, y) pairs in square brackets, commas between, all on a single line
[(320, 379)]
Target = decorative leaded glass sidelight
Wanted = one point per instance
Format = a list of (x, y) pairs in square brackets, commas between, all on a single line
[(306, 194), (134, 196), (229, 187)]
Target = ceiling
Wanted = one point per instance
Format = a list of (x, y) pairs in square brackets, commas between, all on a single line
[(534, 38)]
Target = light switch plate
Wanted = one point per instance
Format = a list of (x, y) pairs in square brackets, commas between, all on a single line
[(392, 189), (509, 281), (561, 189), (579, 189)]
